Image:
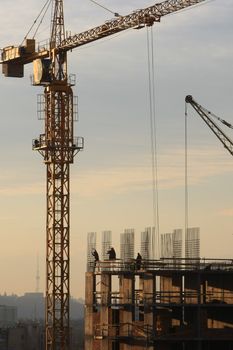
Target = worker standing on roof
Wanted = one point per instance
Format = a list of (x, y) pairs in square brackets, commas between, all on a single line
[(111, 254), (138, 261), (96, 257)]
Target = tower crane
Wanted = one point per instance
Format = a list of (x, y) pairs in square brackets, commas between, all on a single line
[(208, 118), (57, 144)]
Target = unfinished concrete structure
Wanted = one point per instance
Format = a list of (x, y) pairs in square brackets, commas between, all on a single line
[(161, 305)]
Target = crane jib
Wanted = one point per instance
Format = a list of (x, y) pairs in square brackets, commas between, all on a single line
[(207, 117), (14, 58)]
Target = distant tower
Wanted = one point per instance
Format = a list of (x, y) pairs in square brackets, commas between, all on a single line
[(106, 243), (91, 245), (127, 244), (146, 243), (192, 243), (37, 275)]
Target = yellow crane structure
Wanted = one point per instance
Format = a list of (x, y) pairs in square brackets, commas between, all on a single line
[(57, 144)]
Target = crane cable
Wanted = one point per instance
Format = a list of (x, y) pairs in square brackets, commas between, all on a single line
[(42, 18), (186, 193), (154, 159), (116, 14), (45, 9)]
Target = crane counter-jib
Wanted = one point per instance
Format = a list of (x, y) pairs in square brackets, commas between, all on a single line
[(14, 58)]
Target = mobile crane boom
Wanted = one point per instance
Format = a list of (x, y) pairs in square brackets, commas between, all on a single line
[(58, 146), (207, 116)]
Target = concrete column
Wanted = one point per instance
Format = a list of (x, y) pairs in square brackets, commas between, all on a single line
[(89, 314), (166, 288), (149, 291), (105, 309), (126, 313)]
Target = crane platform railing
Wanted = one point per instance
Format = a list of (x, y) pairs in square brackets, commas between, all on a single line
[(118, 266), (123, 330), (115, 299)]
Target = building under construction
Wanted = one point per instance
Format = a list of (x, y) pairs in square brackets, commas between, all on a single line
[(159, 304)]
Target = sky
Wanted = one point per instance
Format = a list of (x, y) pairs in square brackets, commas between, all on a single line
[(111, 183)]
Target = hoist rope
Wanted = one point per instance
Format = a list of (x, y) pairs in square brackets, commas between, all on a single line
[(45, 7), (154, 160), (186, 194), (42, 18), (105, 8)]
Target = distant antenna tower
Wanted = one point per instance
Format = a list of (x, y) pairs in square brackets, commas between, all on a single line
[(37, 275)]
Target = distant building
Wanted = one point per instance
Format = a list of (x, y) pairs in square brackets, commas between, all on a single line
[(30, 335), (32, 306), (26, 336), (192, 243), (8, 316)]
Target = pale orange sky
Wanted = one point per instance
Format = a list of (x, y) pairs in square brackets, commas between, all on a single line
[(111, 178)]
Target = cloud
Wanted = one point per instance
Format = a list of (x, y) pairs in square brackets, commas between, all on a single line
[(202, 165), (227, 212), (21, 190)]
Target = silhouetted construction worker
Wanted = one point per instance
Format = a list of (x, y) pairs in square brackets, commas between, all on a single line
[(138, 261), (111, 254), (95, 254)]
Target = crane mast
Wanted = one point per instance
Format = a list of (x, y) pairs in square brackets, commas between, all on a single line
[(207, 116), (58, 146)]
